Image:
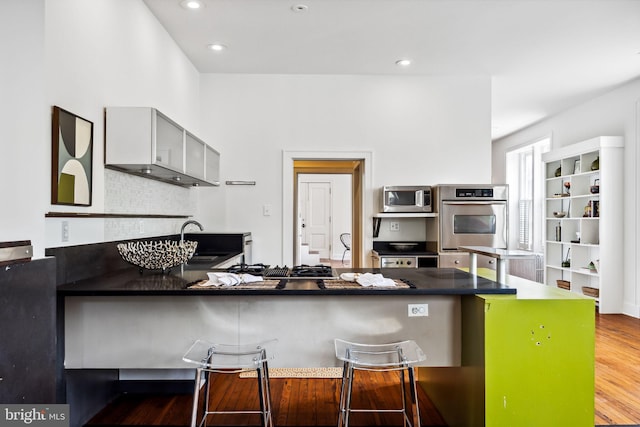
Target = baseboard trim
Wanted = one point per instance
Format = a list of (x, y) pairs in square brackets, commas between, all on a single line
[(156, 386), (631, 310)]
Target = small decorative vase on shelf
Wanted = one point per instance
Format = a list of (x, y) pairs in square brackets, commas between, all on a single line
[(595, 165), (567, 261)]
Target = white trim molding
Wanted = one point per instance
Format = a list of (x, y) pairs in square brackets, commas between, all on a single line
[(288, 158)]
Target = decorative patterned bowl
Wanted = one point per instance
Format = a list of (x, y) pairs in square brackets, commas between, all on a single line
[(158, 254)]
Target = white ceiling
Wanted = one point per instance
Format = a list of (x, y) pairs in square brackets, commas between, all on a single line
[(543, 55)]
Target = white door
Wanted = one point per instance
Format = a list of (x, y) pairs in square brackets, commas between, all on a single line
[(315, 216)]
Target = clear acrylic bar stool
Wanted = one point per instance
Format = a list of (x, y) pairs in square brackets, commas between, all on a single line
[(397, 356), (229, 359)]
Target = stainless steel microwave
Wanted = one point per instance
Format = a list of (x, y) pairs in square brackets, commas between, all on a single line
[(406, 198)]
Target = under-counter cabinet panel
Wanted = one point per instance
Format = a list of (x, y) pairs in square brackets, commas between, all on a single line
[(584, 219), (461, 260), (144, 142)]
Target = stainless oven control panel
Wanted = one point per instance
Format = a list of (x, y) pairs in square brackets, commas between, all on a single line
[(398, 262), (472, 192)]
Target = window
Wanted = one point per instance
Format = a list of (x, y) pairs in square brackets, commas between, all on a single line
[(525, 179)]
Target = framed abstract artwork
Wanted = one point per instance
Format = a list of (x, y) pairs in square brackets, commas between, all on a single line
[(72, 159)]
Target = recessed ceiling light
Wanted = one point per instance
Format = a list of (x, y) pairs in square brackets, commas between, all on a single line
[(192, 4), (217, 47), (300, 8), (403, 62)]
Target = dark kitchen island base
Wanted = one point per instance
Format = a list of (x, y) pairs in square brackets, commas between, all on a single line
[(471, 321)]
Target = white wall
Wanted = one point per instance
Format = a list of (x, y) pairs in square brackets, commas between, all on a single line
[(114, 52), (83, 56), (24, 161), (612, 114), (425, 130)]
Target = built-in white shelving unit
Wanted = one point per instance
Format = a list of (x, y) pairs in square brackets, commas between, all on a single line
[(584, 219)]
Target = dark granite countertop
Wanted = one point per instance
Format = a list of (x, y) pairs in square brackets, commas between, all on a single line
[(422, 281)]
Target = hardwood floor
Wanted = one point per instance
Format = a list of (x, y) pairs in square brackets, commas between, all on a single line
[(296, 402), (314, 402), (617, 397)]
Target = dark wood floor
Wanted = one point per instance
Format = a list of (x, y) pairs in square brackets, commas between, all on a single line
[(313, 402), (296, 402)]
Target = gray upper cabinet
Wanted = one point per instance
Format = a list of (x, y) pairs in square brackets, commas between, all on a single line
[(212, 165), (194, 157), (144, 142)]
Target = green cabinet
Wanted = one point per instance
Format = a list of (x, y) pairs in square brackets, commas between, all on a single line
[(526, 360)]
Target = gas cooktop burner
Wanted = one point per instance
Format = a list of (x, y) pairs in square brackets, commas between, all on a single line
[(277, 272), (284, 272), (311, 271), (255, 269)]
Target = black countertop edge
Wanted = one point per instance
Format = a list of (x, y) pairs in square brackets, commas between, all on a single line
[(426, 281), (284, 293)]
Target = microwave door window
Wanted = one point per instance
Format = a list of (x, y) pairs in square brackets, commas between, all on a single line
[(474, 224), (401, 198)]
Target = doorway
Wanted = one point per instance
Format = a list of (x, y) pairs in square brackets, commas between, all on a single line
[(324, 216), (319, 204)]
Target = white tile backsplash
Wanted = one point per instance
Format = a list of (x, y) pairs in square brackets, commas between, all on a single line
[(136, 228), (130, 194)]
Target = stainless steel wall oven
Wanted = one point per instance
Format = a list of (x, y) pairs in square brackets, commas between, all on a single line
[(473, 215)]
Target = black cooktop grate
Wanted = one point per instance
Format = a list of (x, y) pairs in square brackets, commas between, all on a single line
[(256, 269), (277, 272), (311, 271)]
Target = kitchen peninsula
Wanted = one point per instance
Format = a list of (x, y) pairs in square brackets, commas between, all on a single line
[(497, 355)]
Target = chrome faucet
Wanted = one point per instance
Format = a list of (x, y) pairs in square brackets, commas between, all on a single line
[(191, 221)]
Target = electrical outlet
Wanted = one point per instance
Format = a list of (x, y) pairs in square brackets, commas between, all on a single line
[(65, 231), (394, 226), (141, 227), (266, 210), (418, 310)]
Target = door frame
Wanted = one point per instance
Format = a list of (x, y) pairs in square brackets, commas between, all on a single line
[(358, 164), (334, 167)]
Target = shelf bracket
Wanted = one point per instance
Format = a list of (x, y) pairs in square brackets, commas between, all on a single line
[(376, 226)]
